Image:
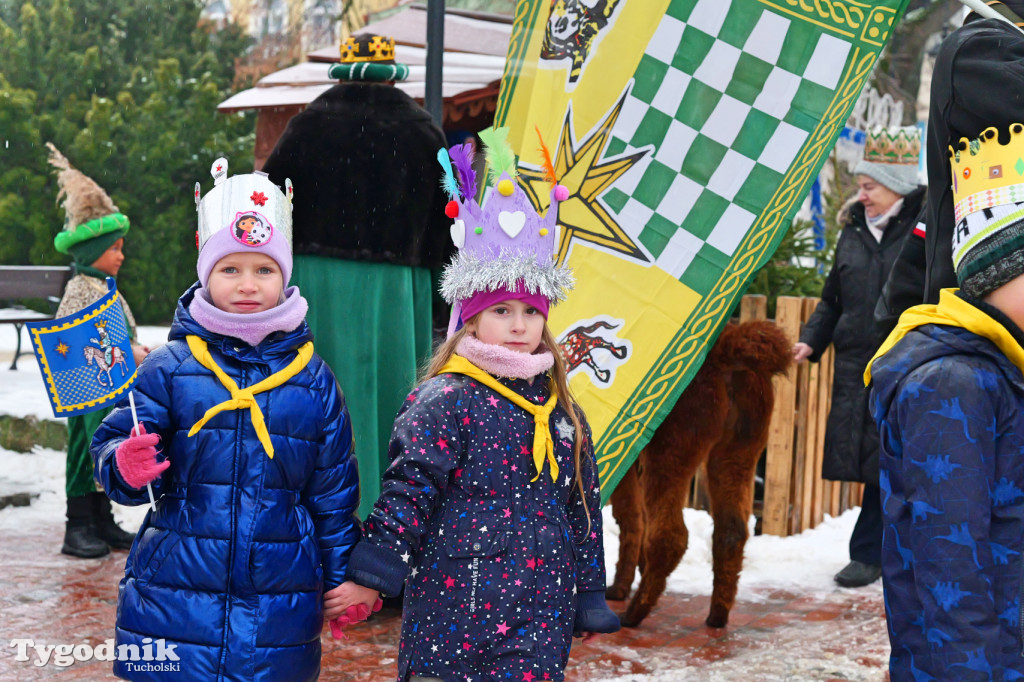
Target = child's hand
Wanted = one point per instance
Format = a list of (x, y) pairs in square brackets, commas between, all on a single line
[(136, 458), (139, 353), (338, 600)]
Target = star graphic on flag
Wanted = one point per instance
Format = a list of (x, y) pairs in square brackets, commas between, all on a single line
[(586, 175), (62, 348)]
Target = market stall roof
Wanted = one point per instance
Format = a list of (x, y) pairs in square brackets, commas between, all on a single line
[(474, 59)]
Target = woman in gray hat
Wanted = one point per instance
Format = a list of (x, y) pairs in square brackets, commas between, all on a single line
[(887, 207)]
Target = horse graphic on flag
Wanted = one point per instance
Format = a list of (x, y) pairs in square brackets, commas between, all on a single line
[(85, 358), (687, 133)]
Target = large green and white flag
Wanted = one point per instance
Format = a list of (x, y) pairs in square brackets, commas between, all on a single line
[(688, 132)]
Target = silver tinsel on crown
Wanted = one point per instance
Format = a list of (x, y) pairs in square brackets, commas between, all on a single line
[(469, 274)]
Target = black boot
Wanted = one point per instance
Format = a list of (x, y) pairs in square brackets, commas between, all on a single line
[(79, 535), (106, 529)]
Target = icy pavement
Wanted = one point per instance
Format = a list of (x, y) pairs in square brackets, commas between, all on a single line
[(790, 621)]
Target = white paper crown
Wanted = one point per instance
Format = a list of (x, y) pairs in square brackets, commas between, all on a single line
[(240, 193)]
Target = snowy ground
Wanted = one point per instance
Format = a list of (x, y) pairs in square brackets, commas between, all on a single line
[(804, 563)]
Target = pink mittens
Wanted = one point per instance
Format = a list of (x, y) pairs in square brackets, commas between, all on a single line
[(353, 614), (136, 458)]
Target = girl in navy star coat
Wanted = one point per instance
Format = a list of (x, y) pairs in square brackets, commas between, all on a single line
[(490, 513)]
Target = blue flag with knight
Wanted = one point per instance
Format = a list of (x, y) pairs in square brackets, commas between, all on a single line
[(86, 358)]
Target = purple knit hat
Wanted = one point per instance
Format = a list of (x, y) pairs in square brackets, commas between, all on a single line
[(244, 214)]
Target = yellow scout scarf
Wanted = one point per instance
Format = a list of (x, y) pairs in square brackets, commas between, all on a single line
[(245, 397), (543, 445), (952, 311)]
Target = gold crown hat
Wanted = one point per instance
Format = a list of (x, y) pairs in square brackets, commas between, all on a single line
[(891, 157), (368, 57), (988, 199)]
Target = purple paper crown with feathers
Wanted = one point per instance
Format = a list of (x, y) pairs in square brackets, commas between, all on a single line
[(504, 243)]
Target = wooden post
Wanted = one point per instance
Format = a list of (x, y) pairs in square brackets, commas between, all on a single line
[(822, 488), (753, 307), (811, 467), (779, 463)]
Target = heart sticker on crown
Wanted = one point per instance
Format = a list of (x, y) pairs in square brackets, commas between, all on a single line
[(511, 222)]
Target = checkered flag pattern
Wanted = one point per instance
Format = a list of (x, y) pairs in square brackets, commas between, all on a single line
[(724, 96)]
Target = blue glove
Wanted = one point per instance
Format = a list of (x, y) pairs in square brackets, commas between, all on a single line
[(593, 614)]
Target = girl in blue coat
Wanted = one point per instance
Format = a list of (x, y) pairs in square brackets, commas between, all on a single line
[(244, 436), (490, 513)]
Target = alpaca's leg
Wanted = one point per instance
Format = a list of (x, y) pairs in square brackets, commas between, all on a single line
[(627, 508), (731, 468), (665, 538)]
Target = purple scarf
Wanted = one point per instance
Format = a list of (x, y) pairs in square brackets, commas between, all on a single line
[(249, 327)]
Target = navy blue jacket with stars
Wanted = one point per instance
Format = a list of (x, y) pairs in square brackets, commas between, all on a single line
[(494, 565), (950, 410)]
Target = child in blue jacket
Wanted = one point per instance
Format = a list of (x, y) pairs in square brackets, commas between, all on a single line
[(245, 438), (948, 397), (490, 513)]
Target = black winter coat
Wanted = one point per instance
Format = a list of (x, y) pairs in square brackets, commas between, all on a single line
[(978, 82), (363, 160), (845, 318)]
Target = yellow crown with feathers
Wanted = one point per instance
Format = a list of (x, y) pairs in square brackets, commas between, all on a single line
[(987, 173)]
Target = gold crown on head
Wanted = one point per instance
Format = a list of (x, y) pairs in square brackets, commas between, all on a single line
[(987, 173), (367, 47), (893, 145)]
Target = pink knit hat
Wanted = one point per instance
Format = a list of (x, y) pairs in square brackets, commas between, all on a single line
[(243, 214)]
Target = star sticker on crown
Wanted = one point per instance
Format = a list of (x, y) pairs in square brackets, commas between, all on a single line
[(259, 198), (587, 175), (62, 348)]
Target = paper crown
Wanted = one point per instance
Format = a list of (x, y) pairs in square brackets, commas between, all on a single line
[(987, 175), (233, 199), (367, 47), (900, 146), (368, 57), (505, 242)]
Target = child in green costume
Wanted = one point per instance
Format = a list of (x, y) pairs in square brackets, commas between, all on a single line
[(93, 236)]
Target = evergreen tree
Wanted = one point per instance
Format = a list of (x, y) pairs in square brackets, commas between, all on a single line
[(128, 90)]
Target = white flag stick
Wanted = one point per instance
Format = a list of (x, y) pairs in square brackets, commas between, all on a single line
[(135, 419), (984, 10)]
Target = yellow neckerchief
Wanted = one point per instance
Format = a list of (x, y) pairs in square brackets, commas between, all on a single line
[(243, 398), (542, 442), (952, 311)]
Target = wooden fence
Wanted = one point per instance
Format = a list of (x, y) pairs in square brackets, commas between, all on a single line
[(796, 498)]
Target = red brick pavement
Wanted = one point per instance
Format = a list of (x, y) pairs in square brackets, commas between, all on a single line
[(53, 599)]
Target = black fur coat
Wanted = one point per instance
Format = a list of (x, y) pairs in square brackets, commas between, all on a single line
[(363, 160)]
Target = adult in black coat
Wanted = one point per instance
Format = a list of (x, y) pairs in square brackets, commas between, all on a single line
[(978, 82), (369, 226), (872, 237)]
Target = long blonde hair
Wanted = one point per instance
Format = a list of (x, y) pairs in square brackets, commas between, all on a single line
[(559, 375)]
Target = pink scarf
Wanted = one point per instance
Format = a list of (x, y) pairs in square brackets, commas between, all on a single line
[(499, 361)]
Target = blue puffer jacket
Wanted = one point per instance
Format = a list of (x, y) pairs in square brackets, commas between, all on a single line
[(950, 410), (495, 566), (232, 566)]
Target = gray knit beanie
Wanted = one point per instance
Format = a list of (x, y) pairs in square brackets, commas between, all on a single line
[(900, 178)]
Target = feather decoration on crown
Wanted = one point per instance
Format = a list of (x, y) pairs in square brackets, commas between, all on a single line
[(448, 182), (462, 158), (83, 199), (549, 167), (500, 156), (504, 243)]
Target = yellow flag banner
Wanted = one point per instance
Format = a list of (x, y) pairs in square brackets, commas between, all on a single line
[(687, 132)]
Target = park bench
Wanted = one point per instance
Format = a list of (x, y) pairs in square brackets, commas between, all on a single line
[(21, 282)]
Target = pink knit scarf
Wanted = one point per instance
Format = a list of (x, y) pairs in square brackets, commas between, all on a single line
[(502, 362)]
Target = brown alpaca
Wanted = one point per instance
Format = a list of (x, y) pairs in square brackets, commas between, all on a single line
[(720, 420)]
